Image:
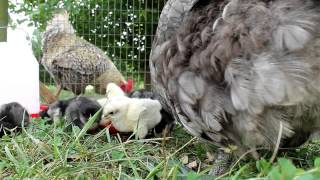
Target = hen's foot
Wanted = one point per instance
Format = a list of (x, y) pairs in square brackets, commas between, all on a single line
[(221, 163)]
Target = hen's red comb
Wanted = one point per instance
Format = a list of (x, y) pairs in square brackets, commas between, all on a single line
[(127, 87)]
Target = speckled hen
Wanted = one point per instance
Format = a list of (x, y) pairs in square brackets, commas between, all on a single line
[(72, 61)]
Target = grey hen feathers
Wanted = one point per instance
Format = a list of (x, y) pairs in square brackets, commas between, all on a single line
[(232, 71)]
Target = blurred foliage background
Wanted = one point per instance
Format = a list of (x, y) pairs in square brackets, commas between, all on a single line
[(124, 29)]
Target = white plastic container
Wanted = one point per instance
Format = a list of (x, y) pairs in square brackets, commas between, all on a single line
[(19, 72)]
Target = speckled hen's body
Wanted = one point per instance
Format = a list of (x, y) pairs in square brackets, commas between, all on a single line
[(236, 72), (72, 61)]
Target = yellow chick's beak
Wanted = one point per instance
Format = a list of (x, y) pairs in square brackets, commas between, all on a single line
[(105, 121)]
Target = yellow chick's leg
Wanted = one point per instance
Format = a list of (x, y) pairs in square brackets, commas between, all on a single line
[(141, 131)]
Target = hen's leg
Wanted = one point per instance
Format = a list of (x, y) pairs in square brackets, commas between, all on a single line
[(142, 131), (58, 91), (221, 163), (46, 94)]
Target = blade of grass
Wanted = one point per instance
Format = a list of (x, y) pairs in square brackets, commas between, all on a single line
[(11, 157), (88, 125), (108, 135), (236, 176), (133, 167), (157, 168), (173, 172), (21, 154)]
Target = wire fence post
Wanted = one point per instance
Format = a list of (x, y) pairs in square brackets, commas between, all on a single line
[(3, 20)]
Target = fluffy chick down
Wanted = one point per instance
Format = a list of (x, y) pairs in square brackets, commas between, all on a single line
[(13, 116), (76, 110), (132, 114), (112, 90)]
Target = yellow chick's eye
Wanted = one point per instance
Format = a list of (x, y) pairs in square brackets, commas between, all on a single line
[(113, 112)]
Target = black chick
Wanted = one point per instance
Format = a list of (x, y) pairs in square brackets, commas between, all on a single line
[(76, 110), (12, 115)]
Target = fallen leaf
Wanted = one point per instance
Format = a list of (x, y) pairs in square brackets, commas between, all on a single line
[(192, 165)]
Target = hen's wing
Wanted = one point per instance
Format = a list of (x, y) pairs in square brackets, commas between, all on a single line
[(83, 59), (278, 68), (79, 65), (172, 18)]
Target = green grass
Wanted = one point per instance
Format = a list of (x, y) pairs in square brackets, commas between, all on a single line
[(47, 151), (52, 151)]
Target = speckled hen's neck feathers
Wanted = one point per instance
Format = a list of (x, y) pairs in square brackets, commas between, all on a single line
[(57, 27)]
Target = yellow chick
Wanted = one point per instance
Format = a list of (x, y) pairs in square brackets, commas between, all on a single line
[(112, 90), (132, 114), (129, 114)]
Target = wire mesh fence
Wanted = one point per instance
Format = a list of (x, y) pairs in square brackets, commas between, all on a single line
[(123, 29)]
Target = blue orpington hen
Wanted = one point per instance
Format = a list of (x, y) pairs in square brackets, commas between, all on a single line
[(242, 74)]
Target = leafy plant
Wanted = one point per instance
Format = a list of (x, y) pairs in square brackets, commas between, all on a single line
[(286, 170)]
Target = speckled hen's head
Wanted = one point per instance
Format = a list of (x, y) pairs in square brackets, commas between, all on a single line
[(60, 22)]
